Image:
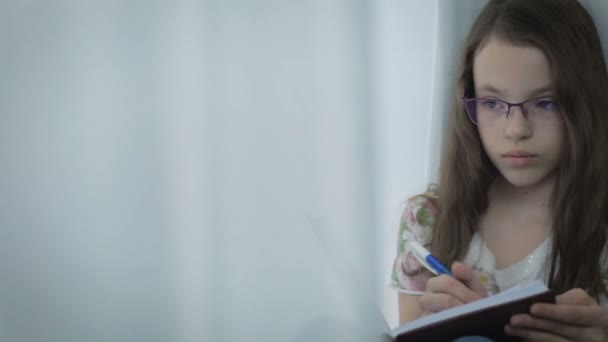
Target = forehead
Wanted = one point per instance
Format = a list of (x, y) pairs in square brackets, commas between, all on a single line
[(513, 70)]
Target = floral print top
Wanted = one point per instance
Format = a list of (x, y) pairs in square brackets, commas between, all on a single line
[(419, 218)]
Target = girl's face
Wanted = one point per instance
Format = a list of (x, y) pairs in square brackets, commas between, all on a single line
[(526, 149)]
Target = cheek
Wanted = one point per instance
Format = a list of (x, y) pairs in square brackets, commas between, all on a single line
[(553, 142), (488, 136)]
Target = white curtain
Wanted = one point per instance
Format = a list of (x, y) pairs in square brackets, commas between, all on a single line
[(186, 171), (214, 170)]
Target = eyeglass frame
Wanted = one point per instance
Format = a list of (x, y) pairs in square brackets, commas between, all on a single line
[(465, 100)]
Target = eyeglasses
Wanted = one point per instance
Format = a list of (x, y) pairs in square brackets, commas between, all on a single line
[(540, 110)]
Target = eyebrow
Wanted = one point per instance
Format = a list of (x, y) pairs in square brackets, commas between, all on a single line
[(535, 92)]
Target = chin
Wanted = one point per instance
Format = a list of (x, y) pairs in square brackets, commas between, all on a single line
[(521, 183), (524, 179)]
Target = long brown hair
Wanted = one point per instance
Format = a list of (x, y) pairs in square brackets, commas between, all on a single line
[(565, 32)]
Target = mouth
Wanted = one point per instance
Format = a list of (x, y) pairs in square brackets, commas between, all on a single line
[(519, 158), (518, 154)]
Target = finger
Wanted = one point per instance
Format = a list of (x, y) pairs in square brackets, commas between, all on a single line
[(571, 332), (452, 286), (534, 335), (435, 302), (583, 315), (575, 296), (465, 274)]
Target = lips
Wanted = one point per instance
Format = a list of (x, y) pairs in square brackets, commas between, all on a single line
[(519, 158), (519, 154)]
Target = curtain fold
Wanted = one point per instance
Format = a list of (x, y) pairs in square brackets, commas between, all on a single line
[(185, 171)]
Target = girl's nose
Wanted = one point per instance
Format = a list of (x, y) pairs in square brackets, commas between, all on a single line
[(518, 127)]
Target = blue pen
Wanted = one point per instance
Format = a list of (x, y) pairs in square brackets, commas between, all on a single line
[(427, 259)]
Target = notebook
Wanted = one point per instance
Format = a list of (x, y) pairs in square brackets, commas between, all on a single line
[(485, 317)]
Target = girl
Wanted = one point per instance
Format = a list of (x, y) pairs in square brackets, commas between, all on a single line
[(523, 190)]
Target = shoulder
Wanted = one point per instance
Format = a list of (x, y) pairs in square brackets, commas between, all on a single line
[(417, 221), (420, 213)]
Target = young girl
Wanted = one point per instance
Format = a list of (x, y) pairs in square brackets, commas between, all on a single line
[(523, 190)]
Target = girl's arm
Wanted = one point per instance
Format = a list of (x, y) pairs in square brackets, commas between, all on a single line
[(408, 308)]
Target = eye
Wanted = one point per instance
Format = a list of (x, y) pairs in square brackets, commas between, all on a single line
[(492, 104), (546, 104)]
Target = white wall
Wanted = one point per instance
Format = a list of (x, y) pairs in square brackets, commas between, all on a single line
[(598, 9), (416, 50)]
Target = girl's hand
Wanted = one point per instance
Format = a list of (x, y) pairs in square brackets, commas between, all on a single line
[(575, 316), (444, 292)]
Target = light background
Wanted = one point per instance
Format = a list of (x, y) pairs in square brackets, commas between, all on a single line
[(215, 170)]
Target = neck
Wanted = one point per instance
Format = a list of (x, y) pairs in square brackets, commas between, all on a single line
[(539, 193), (526, 208)]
